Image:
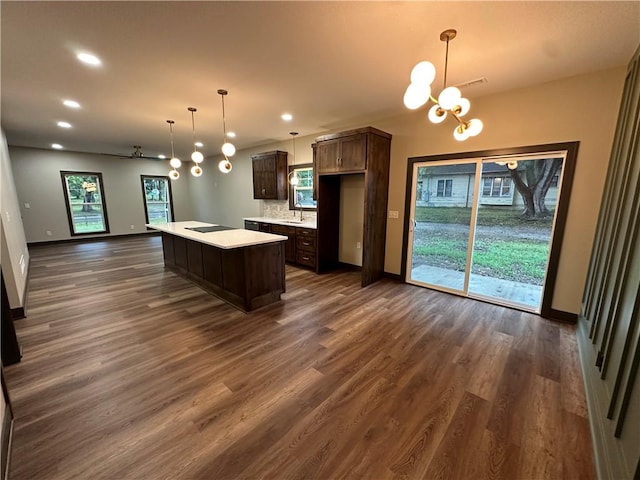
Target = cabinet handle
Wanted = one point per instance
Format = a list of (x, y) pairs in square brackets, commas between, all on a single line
[(305, 258), (264, 191), (306, 244)]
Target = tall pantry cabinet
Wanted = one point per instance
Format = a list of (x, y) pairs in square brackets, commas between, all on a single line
[(364, 151)]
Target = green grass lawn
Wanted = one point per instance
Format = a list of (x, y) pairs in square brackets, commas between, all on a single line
[(490, 216)]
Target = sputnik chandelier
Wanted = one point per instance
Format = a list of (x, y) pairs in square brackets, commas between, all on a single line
[(450, 100)]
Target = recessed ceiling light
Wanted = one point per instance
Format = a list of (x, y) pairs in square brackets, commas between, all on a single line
[(64, 124), (161, 156), (199, 144), (287, 117), (57, 146), (231, 134), (89, 59), (71, 104)]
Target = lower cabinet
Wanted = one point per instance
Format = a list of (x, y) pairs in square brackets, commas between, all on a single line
[(290, 244), (306, 247), (300, 247), (247, 277)]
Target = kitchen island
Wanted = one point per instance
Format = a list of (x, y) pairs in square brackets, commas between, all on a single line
[(243, 267)]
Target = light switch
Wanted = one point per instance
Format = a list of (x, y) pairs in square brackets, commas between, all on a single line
[(27, 205), (393, 214)]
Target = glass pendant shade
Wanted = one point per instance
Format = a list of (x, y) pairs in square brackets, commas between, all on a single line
[(228, 149), (437, 114), (423, 73), (449, 97), (416, 95), (174, 175), (225, 166), (197, 157), (463, 107), (294, 179), (175, 162), (196, 171), (475, 127), (460, 133)]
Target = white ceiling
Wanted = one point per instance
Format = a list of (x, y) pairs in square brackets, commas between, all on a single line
[(330, 64)]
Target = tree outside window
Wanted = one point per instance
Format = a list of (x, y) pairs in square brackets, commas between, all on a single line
[(86, 210)]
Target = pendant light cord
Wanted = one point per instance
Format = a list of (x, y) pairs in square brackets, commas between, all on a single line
[(446, 61), (193, 129)]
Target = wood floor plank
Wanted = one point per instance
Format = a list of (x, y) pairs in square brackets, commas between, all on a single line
[(131, 372)]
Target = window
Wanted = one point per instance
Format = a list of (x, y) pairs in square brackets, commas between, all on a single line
[(158, 203), (496, 186), (444, 188), (301, 195), (84, 197)]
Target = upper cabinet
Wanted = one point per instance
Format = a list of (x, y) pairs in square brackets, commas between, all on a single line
[(341, 155), (270, 175)]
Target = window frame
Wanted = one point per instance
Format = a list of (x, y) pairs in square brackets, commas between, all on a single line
[(292, 189), (445, 182), (144, 196), (103, 201)]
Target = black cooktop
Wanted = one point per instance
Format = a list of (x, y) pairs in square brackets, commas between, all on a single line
[(210, 228)]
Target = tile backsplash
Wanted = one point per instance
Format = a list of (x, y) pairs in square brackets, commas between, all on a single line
[(280, 209)]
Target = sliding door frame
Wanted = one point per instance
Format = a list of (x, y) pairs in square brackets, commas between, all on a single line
[(562, 209)]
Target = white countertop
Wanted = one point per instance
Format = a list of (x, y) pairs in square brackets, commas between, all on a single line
[(238, 237), (289, 223)]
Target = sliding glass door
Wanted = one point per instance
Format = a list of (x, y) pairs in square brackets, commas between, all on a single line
[(441, 226), (483, 228)]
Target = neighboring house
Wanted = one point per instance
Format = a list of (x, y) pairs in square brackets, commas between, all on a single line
[(453, 185)]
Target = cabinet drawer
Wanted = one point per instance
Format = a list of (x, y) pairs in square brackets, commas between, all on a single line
[(308, 244), (283, 230), (306, 258), (265, 227), (306, 232)]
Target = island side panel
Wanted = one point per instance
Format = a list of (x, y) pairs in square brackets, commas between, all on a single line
[(265, 269)]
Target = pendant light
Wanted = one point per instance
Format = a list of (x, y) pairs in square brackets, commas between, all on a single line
[(174, 162), (228, 149), (293, 176), (196, 156), (450, 100)]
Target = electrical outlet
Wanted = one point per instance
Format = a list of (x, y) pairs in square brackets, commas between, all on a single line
[(132, 227), (48, 232), (27, 205), (8, 216), (358, 245), (393, 214)]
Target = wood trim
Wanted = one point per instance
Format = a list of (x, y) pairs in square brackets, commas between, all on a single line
[(68, 205), (7, 431), (347, 133), (144, 197), (394, 276), (18, 313), (92, 239), (561, 316)]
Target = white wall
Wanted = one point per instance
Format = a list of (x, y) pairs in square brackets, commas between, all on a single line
[(14, 255), (39, 184)]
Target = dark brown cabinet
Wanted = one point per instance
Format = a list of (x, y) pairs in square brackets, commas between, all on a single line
[(270, 175), (290, 244), (306, 247), (363, 151), (342, 154), (247, 277)]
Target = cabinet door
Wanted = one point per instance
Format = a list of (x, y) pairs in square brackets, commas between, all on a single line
[(327, 155), (290, 244), (353, 153), (264, 177)]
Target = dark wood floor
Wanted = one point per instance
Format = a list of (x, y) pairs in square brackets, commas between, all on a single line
[(131, 372)]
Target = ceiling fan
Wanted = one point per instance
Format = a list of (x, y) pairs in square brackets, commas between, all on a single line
[(137, 153)]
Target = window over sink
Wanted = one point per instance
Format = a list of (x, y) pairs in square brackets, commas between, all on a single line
[(301, 195)]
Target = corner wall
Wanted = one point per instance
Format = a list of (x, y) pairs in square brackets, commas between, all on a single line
[(14, 255)]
